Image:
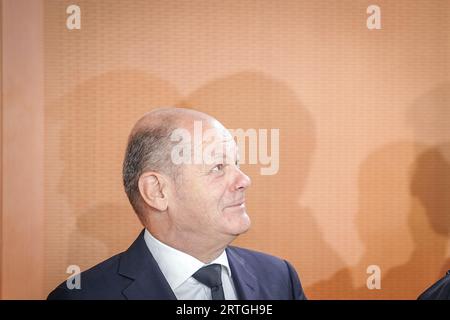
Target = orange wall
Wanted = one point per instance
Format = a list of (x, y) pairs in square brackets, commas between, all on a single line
[(364, 141), (23, 111)]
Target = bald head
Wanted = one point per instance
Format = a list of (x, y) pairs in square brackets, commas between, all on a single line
[(149, 146), (174, 117)]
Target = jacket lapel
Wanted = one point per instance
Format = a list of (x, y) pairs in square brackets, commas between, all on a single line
[(138, 264), (244, 279)]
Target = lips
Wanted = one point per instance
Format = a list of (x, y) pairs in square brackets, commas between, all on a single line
[(237, 204)]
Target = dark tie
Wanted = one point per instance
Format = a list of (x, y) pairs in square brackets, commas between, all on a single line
[(210, 276)]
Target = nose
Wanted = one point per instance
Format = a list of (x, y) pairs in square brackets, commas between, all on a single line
[(242, 181)]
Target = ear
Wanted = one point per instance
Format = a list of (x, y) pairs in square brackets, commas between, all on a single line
[(153, 190)]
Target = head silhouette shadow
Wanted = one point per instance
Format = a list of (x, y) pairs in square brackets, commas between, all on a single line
[(280, 224), (403, 217), (92, 123), (429, 224), (393, 225), (429, 116)]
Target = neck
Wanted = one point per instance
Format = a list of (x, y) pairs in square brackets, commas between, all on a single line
[(195, 245)]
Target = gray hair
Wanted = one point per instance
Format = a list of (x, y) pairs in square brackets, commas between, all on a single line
[(147, 150)]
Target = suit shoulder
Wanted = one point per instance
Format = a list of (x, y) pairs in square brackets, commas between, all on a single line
[(96, 279), (439, 290), (259, 259), (277, 274)]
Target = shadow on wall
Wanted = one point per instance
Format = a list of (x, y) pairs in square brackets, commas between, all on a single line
[(429, 117), (429, 222), (280, 224), (89, 218), (403, 217), (403, 222), (404, 209), (95, 120)]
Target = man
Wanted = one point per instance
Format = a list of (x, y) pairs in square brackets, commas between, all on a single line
[(192, 205)]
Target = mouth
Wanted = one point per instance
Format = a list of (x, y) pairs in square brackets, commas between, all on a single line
[(240, 204)]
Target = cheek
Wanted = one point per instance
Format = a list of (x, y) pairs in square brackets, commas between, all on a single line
[(217, 194), (204, 196), (197, 200)]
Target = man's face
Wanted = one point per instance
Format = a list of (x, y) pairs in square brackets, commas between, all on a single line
[(209, 197)]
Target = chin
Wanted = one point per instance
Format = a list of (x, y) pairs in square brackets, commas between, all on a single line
[(241, 226)]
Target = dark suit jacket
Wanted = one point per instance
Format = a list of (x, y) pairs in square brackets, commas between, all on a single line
[(134, 274), (438, 291)]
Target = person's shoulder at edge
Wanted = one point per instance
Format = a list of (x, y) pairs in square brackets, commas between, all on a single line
[(439, 290), (271, 269)]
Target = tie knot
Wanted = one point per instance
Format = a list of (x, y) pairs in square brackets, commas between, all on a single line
[(209, 275)]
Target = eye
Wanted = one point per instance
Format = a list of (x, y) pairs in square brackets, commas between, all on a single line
[(218, 168)]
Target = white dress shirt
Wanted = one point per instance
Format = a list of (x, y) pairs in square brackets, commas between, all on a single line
[(178, 268)]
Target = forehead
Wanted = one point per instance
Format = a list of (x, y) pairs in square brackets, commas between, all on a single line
[(218, 138), (208, 131), (212, 142)]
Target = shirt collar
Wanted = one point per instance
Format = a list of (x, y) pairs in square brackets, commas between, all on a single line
[(177, 266)]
